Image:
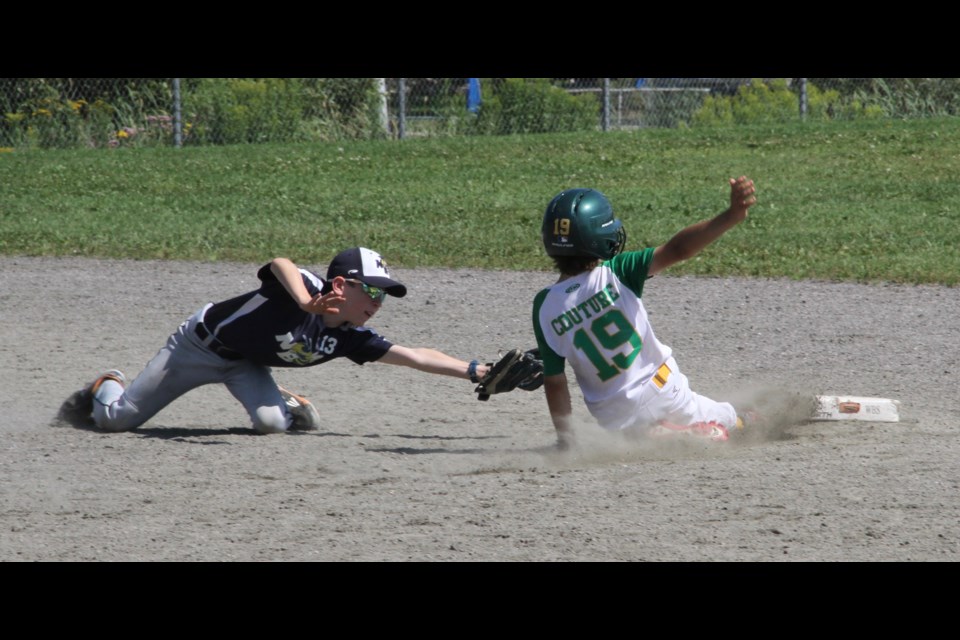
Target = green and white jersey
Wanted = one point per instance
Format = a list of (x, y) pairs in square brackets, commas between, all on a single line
[(597, 322)]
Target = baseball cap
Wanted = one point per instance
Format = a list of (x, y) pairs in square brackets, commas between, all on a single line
[(367, 266)]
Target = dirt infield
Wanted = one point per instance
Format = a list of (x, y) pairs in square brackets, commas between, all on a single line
[(411, 467)]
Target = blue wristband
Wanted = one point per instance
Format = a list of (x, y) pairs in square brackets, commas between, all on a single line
[(472, 371)]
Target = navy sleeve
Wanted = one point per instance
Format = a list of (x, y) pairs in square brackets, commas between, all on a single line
[(372, 350), (265, 274)]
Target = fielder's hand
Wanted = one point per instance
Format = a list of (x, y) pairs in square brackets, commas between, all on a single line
[(516, 369), (326, 303)]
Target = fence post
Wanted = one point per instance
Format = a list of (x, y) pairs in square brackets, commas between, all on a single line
[(605, 123), (803, 98), (384, 117), (402, 116), (177, 123)]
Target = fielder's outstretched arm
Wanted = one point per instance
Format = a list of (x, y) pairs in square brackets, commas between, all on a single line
[(430, 361)]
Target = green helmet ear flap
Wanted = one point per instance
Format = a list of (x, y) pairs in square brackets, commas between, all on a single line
[(580, 222)]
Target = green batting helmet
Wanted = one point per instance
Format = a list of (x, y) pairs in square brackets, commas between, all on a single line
[(580, 222)]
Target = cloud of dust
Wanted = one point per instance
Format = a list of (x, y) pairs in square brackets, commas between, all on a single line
[(774, 411)]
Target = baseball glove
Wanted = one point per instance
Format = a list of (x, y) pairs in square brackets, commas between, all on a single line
[(515, 369)]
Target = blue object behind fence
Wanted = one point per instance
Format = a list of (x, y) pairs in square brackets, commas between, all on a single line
[(473, 94)]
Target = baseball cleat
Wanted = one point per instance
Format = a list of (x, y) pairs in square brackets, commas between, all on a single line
[(711, 430), (113, 374), (305, 415), (78, 408), (748, 419)]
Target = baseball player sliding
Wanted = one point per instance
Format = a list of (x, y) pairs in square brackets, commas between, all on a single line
[(294, 319), (593, 317)]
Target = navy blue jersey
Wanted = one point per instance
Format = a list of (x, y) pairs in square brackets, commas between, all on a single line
[(269, 328)]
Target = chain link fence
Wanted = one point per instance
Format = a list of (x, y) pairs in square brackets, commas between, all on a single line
[(135, 112)]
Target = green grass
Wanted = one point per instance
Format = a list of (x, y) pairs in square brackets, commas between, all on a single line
[(869, 201)]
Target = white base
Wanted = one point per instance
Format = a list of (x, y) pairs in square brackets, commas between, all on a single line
[(857, 408)]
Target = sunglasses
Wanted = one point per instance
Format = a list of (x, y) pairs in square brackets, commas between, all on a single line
[(376, 293)]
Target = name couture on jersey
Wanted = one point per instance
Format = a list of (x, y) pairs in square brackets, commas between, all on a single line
[(575, 315)]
